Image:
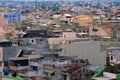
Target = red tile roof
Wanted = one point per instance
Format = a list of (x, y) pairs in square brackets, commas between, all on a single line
[(82, 17), (72, 69), (37, 79)]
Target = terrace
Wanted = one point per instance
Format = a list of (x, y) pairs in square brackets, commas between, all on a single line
[(19, 63)]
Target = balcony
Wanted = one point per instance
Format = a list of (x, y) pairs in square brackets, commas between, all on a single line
[(3, 78), (109, 75), (49, 69), (34, 63), (28, 74), (14, 68), (32, 56), (1, 69), (18, 63)]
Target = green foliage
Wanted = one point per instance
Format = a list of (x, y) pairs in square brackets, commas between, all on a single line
[(118, 76), (24, 23), (113, 68)]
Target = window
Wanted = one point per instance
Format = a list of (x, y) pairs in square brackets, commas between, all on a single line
[(6, 63), (0, 64), (52, 74), (111, 57), (15, 42), (11, 63), (14, 20), (6, 15), (32, 41), (0, 55), (9, 15), (94, 29), (64, 36), (24, 62), (13, 15), (41, 39), (34, 68)]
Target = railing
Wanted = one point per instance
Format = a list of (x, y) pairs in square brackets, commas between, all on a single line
[(32, 56), (31, 73), (28, 74), (34, 63), (109, 75), (14, 68), (6, 79)]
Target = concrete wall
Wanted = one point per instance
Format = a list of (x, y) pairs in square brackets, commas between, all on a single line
[(86, 50), (118, 34), (1, 60)]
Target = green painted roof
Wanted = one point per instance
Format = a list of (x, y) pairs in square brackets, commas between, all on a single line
[(0, 74), (18, 78), (9, 76), (99, 73), (15, 78), (60, 23), (99, 19)]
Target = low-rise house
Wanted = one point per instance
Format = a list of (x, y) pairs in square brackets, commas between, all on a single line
[(83, 20), (5, 43), (7, 52), (100, 31), (42, 65), (57, 15), (69, 35), (36, 33), (70, 45), (82, 31), (57, 32), (18, 63), (67, 17), (72, 73), (113, 55)]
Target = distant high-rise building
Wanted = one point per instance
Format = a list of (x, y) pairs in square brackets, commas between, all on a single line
[(12, 17)]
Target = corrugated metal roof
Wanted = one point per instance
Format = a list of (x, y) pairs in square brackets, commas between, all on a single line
[(76, 79), (10, 52)]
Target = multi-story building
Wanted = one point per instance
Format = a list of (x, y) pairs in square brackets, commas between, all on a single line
[(85, 49), (111, 71), (5, 53), (18, 63), (12, 17)]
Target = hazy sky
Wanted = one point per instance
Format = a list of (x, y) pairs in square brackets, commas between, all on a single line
[(60, 0), (46, 0)]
